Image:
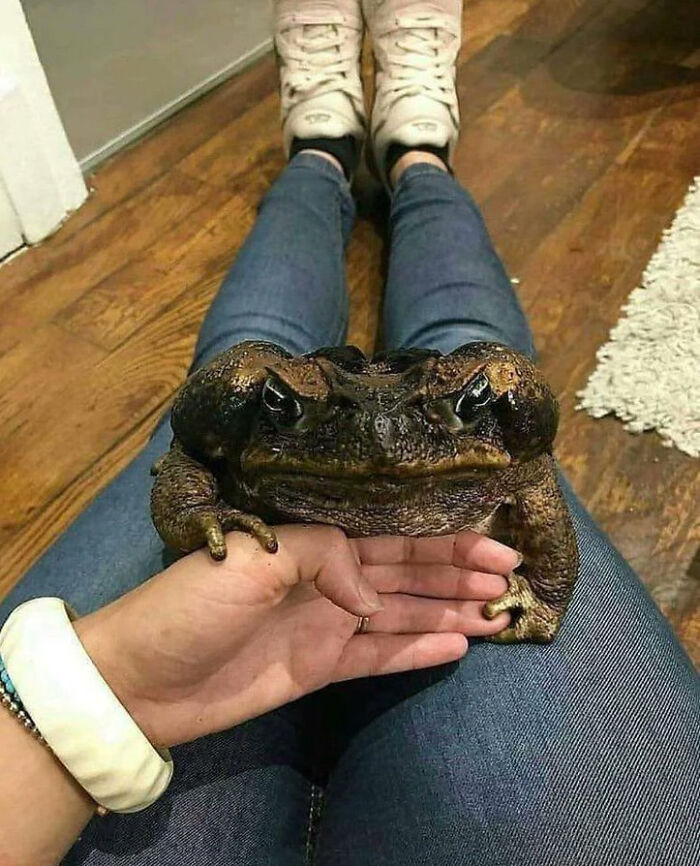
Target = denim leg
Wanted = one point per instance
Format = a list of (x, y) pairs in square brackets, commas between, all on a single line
[(287, 284), (585, 752), (446, 285), (240, 797)]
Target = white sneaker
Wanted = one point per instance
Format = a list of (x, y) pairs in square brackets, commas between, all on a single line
[(416, 43), (318, 46)]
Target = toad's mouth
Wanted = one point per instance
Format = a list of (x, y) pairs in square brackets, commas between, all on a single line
[(297, 493), (483, 458)]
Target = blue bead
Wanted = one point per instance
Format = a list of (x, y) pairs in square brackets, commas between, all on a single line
[(10, 688)]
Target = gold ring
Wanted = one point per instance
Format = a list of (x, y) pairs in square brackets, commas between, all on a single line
[(362, 624)]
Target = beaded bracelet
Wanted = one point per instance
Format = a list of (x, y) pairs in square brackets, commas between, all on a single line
[(10, 699)]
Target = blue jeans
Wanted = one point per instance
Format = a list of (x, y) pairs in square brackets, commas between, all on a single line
[(584, 752)]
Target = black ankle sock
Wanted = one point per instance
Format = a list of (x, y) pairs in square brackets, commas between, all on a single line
[(396, 151), (346, 150)]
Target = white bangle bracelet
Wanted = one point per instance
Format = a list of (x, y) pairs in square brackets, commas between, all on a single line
[(78, 715)]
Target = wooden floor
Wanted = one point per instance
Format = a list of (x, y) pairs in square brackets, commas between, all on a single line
[(580, 140)]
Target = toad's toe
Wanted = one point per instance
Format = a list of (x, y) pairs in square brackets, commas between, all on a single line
[(531, 618), (261, 532)]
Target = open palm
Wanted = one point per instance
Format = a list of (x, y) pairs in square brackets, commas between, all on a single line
[(205, 645)]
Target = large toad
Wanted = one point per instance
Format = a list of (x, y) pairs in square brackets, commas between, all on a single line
[(409, 443)]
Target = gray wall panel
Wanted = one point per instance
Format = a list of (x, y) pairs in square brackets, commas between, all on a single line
[(117, 67)]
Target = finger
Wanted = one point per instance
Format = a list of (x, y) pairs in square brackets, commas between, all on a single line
[(480, 553), (435, 581), (323, 555), (465, 549), (369, 655), (408, 614), (386, 549)]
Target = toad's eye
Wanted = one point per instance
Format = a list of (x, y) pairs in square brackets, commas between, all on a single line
[(476, 394), (281, 403)]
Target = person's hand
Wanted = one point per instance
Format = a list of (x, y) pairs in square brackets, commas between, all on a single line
[(204, 646)]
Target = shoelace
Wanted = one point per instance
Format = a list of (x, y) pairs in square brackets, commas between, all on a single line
[(319, 58), (422, 59)]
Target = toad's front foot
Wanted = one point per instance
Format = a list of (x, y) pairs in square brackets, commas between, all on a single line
[(206, 526), (531, 618)]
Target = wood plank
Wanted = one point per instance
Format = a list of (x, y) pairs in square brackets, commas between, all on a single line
[(105, 246), (484, 21), (231, 152), (561, 102), (195, 250), (554, 20), (120, 391), (36, 365), (23, 547), (589, 263)]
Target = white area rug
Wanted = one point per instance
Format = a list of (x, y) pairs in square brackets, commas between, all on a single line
[(648, 373)]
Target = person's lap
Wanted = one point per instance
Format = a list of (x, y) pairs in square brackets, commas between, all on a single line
[(584, 752), (565, 753)]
